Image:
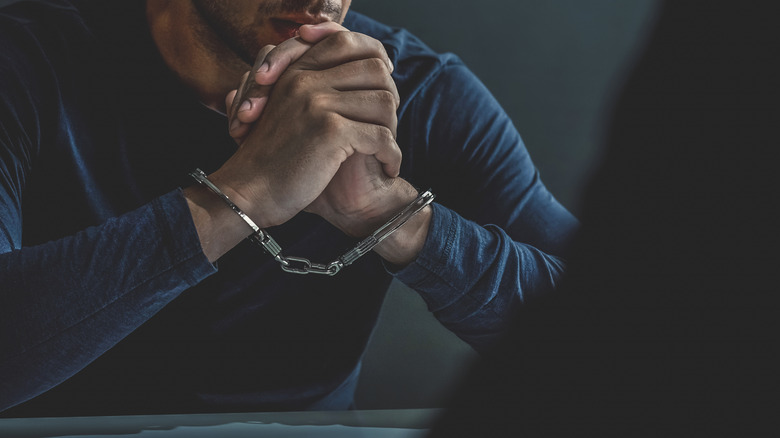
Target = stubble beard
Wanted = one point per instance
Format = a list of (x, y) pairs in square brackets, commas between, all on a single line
[(237, 47)]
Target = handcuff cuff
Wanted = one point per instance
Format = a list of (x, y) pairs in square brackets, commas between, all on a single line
[(300, 265)]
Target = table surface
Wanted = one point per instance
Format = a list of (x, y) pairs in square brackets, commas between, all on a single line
[(401, 423)]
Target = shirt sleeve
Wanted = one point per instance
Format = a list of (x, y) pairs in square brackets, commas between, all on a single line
[(65, 302), (497, 236)]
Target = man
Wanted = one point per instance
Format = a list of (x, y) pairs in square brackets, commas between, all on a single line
[(123, 293)]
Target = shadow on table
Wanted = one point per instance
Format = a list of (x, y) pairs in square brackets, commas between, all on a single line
[(238, 424)]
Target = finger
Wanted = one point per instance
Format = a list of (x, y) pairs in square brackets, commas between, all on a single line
[(276, 61), (342, 47), (248, 113), (291, 50), (248, 102), (237, 95), (317, 32), (314, 33), (251, 109), (367, 106), (246, 84), (236, 128), (366, 74), (229, 100), (376, 140)]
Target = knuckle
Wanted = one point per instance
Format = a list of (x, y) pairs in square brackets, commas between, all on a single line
[(375, 65), (330, 124), (374, 47), (297, 83), (387, 99), (393, 91), (316, 103), (385, 136), (379, 47), (344, 38)]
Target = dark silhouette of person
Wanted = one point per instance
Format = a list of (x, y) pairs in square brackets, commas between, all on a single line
[(667, 323)]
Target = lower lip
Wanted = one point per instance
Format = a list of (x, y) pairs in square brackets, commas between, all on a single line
[(285, 29)]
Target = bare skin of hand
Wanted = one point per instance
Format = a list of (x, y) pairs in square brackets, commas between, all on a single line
[(246, 103), (335, 101), (361, 196), (331, 101)]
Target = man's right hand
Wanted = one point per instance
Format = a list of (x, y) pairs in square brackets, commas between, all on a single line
[(338, 99)]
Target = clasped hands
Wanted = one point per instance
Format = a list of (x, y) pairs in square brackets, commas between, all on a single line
[(315, 121)]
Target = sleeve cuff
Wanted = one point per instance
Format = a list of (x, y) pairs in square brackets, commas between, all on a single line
[(431, 273), (182, 237)]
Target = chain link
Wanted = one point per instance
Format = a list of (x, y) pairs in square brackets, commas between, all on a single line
[(300, 265), (305, 266)]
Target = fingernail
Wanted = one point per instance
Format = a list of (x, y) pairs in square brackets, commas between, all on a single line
[(235, 124), (390, 65), (245, 106), (264, 67)]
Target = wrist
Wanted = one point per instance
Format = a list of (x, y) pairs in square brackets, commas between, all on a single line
[(247, 193), (372, 211), (219, 229), (402, 246)]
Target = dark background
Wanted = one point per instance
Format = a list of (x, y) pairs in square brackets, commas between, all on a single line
[(554, 65)]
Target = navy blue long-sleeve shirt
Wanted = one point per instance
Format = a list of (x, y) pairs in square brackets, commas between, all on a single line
[(107, 303)]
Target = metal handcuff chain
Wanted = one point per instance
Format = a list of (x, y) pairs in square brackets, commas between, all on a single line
[(300, 265)]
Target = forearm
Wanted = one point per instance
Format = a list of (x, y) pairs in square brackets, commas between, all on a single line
[(66, 302), (219, 228), (473, 278)]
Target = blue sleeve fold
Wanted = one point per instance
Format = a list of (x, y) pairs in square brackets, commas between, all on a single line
[(473, 277), (65, 302), (497, 236)]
